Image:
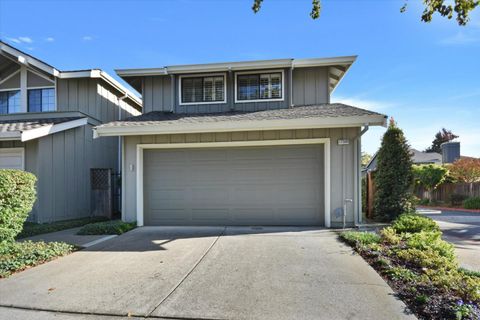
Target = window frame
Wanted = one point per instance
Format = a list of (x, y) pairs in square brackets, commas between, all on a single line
[(41, 88), (260, 72), (203, 75)]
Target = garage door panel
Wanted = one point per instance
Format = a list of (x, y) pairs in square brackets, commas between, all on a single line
[(234, 186), (210, 214)]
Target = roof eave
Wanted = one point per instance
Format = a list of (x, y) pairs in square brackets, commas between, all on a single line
[(231, 126)]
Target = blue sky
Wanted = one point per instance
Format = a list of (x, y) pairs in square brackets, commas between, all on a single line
[(426, 76)]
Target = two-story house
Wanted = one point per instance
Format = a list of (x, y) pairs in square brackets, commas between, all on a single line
[(242, 143), (46, 122)]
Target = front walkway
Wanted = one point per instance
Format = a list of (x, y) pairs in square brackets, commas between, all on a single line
[(463, 230), (70, 236), (207, 273)]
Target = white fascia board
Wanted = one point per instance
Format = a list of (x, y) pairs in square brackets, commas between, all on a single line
[(99, 74), (52, 128), (321, 62), (10, 135), (311, 123), (26, 59), (243, 65)]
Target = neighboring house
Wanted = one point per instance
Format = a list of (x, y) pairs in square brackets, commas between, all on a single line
[(242, 143), (46, 121), (418, 157)]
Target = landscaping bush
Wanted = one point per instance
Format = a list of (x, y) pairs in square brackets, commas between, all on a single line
[(362, 238), (421, 268), (394, 176), (424, 202), (456, 199), (17, 196), (21, 255), (31, 229), (414, 223), (107, 227), (472, 203)]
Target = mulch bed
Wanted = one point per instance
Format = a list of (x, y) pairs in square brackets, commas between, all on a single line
[(440, 302)]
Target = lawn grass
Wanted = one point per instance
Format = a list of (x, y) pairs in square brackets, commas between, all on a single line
[(421, 268), (32, 229), (107, 227), (19, 256)]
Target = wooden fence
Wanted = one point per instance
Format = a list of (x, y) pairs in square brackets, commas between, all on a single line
[(444, 191)]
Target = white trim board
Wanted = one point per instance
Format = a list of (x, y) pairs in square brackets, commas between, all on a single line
[(265, 143), (235, 126), (52, 128)]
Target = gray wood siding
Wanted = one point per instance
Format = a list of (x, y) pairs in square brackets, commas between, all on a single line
[(342, 161), (310, 86), (93, 97), (64, 160)]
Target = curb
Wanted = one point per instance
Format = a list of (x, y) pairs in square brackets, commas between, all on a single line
[(450, 209)]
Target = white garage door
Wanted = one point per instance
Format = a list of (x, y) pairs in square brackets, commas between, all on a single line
[(11, 158), (281, 185)]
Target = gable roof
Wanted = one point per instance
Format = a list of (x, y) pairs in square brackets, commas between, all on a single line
[(418, 157), (26, 59), (301, 117), (338, 67)]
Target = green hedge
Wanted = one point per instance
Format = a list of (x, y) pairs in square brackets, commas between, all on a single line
[(32, 229), (107, 227), (414, 223), (17, 196), (472, 203)]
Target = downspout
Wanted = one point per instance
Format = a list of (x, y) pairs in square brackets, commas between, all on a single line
[(358, 173), (119, 159), (290, 86)]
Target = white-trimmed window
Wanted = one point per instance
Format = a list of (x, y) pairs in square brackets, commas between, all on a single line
[(259, 86), (41, 100), (10, 101), (202, 89)]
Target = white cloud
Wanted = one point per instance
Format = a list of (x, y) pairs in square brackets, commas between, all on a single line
[(20, 40), (14, 40), (50, 39), (87, 38), (25, 39), (461, 38), (374, 105)]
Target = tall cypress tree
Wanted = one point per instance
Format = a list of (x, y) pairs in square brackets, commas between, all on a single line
[(394, 175)]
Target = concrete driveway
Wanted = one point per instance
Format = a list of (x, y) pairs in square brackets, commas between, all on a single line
[(206, 273), (463, 230)]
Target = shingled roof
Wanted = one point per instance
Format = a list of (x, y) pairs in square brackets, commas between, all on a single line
[(28, 129), (334, 110), (22, 125)]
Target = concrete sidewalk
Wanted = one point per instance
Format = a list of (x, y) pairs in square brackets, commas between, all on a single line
[(208, 273), (70, 236)]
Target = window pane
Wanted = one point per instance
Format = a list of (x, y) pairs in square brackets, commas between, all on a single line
[(48, 99), (208, 88), (202, 89), (276, 85), (248, 87), (9, 102), (265, 86), (219, 89), (35, 100)]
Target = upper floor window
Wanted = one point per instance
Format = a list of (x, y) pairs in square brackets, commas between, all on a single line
[(10, 101), (260, 86), (40, 100), (209, 89)]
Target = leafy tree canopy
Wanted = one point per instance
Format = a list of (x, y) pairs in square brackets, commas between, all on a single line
[(366, 158), (441, 136), (465, 170), (459, 8), (430, 175)]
